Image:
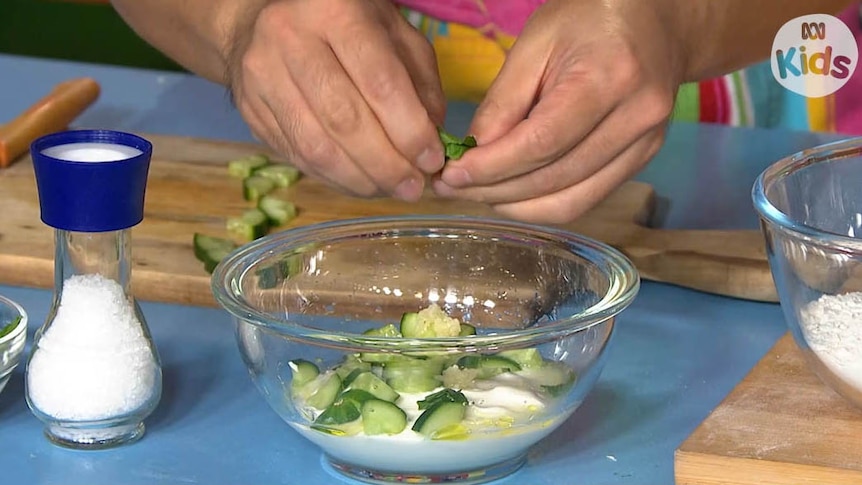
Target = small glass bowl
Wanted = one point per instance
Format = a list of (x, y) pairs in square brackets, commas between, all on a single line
[(310, 294), (12, 343), (810, 208)]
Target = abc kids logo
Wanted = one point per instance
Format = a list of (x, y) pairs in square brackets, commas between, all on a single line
[(814, 55)]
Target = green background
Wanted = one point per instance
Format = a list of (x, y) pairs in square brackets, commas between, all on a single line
[(74, 31)]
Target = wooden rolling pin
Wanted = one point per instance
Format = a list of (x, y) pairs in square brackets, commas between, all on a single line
[(52, 113)]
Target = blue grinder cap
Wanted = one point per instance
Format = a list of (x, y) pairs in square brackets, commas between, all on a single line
[(91, 196)]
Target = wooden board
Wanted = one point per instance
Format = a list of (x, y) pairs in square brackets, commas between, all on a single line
[(189, 191), (780, 426)]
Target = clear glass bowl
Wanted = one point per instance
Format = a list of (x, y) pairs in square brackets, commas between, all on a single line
[(810, 208), (308, 295), (12, 343)]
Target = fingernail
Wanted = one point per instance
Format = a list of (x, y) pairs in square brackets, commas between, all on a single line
[(456, 177), (409, 190), (430, 160)]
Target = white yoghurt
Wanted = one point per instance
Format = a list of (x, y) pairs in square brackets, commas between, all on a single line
[(91, 152), (505, 420)]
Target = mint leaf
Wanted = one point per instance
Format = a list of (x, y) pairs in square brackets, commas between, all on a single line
[(7, 329), (455, 147)]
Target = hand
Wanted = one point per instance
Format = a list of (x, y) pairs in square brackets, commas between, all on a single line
[(347, 89), (579, 106)]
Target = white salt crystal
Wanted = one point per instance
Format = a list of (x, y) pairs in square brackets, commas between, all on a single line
[(93, 362), (91, 152)]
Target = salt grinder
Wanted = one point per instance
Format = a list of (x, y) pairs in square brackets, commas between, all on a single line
[(93, 374)]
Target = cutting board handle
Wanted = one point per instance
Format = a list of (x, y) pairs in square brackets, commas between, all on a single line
[(729, 263)]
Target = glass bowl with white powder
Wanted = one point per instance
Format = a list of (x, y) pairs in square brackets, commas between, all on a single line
[(810, 207), (424, 349), (13, 334)]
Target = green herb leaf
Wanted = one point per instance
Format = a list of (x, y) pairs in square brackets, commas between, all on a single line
[(445, 395), (7, 329), (455, 147)]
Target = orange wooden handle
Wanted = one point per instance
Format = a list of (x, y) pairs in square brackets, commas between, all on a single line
[(52, 113)]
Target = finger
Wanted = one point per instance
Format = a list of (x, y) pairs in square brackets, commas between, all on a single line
[(370, 58), (513, 93), (605, 143), (346, 118), (570, 203), (288, 126), (421, 63), (560, 120)]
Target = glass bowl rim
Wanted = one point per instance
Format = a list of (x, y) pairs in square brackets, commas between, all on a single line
[(825, 153), (624, 283), (22, 324)]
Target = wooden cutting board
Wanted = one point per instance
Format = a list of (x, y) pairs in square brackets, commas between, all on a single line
[(189, 191), (780, 426)]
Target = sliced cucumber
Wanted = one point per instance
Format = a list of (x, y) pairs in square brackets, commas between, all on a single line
[(413, 375), (554, 377), (382, 417), (488, 365), (211, 250), (350, 365), (442, 415), (467, 330), (251, 225), (322, 391), (526, 358), (244, 167), (278, 211), (356, 396), (388, 330), (366, 381), (303, 372), (282, 175), (255, 187)]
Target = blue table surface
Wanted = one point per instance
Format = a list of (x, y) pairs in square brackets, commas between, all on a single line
[(675, 355)]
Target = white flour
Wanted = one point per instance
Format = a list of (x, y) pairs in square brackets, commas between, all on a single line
[(832, 326), (93, 362)]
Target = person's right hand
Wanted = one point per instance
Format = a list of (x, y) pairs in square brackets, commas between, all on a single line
[(347, 89)]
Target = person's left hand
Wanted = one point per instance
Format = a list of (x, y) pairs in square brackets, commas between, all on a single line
[(580, 106)]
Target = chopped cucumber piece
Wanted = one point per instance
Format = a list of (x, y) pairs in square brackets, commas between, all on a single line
[(526, 358), (282, 175), (350, 365), (255, 187), (488, 365), (211, 250), (366, 381), (382, 417), (244, 167), (388, 330), (413, 375), (467, 330), (457, 378), (251, 225), (276, 272), (442, 415), (321, 392), (356, 396), (278, 211), (429, 322), (303, 372), (554, 377)]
